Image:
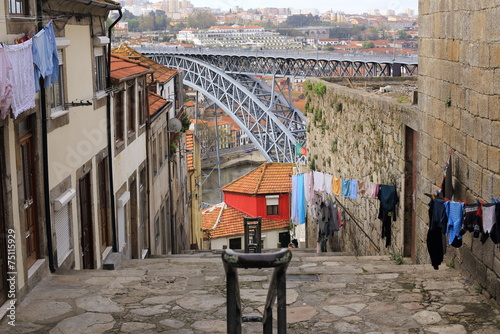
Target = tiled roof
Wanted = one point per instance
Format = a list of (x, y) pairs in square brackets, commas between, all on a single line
[(156, 103), (230, 221), (190, 146), (269, 178), (161, 73), (123, 68)]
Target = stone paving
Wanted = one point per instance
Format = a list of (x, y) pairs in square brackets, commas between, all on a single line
[(185, 294)]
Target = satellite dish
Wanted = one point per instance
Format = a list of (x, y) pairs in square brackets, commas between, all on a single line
[(174, 125)]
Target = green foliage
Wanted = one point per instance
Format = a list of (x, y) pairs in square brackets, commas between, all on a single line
[(172, 148), (312, 165), (451, 264), (308, 85), (359, 127), (201, 18), (447, 102), (397, 258), (334, 147), (380, 143), (479, 288), (356, 143), (403, 99), (302, 20), (318, 115), (339, 107), (319, 89), (368, 45)]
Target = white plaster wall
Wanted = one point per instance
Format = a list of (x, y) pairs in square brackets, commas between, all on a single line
[(72, 145), (271, 239), (129, 160)]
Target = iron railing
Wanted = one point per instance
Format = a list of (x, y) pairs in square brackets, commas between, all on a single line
[(277, 288)]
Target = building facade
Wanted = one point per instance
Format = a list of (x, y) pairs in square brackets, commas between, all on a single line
[(55, 178), (263, 192)]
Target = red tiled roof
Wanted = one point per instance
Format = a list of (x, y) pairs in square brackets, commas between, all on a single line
[(161, 73), (190, 146), (123, 68), (269, 178), (156, 103), (230, 221)]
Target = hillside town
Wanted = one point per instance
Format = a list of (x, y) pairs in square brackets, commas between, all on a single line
[(362, 191)]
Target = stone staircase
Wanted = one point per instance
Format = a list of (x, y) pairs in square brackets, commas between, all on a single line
[(326, 293)]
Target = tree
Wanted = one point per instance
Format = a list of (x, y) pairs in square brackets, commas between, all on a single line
[(368, 45), (201, 18), (146, 23), (302, 20), (403, 35)]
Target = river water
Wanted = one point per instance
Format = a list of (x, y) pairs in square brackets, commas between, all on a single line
[(211, 193)]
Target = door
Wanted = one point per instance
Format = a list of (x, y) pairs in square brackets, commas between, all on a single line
[(3, 239), (410, 214), (136, 251), (28, 176), (86, 223), (143, 204), (103, 204)]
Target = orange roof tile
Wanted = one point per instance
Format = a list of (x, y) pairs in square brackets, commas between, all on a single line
[(123, 68), (269, 178), (161, 73), (228, 221), (156, 103), (190, 146)]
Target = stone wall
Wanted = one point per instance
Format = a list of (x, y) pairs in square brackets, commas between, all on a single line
[(459, 81), (360, 134)]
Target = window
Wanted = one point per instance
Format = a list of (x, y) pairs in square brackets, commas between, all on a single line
[(160, 151), (57, 88), (20, 7), (142, 109), (272, 203), (99, 69), (165, 137), (118, 102), (131, 107), (155, 158), (235, 243)]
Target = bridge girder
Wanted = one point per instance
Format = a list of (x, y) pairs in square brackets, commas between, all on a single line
[(273, 126)]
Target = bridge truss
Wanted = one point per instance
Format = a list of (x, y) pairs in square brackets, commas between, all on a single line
[(296, 65), (269, 120)]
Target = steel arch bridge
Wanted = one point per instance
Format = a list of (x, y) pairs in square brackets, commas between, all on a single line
[(267, 118), (294, 63), (270, 121)]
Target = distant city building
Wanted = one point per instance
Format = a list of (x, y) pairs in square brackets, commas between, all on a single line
[(237, 36)]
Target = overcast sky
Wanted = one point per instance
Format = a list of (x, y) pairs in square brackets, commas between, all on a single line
[(347, 6)]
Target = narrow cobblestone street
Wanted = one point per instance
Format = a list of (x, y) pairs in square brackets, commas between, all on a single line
[(327, 293)]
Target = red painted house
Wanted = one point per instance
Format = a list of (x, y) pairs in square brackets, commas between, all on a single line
[(264, 192)]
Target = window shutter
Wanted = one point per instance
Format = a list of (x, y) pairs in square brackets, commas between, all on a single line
[(61, 222), (60, 56)]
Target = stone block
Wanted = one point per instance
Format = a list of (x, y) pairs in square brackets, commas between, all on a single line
[(468, 260), (467, 123), (494, 107), (459, 141), (475, 181), (488, 251), (495, 130), (487, 187), (484, 55), (493, 32), (485, 130), (479, 25), (491, 283), (463, 30), (482, 154), (494, 54), (488, 82), (494, 158), (473, 102)]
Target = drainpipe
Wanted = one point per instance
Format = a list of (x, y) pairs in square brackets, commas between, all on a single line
[(45, 156), (110, 139)]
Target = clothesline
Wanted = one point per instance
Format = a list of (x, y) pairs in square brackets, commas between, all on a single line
[(22, 65)]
